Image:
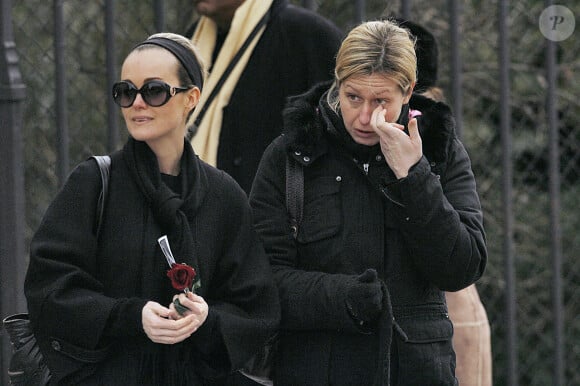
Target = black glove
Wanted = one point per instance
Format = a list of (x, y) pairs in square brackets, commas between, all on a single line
[(364, 297)]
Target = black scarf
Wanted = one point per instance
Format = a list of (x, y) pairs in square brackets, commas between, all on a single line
[(167, 364), (170, 209)]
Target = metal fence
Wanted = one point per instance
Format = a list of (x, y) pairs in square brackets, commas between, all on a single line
[(513, 91)]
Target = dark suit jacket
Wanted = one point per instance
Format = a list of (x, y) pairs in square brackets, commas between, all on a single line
[(296, 51)]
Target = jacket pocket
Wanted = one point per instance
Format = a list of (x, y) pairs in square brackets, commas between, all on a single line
[(322, 214), (78, 353), (425, 355)]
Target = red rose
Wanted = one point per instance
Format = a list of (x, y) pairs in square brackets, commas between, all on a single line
[(182, 276)]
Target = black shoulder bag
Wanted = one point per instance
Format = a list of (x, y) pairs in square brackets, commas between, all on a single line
[(27, 367), (260, 367)]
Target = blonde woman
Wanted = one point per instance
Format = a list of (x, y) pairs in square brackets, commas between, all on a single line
[(391, 218)]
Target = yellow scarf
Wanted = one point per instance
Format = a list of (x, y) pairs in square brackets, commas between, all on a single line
[(205, 141)]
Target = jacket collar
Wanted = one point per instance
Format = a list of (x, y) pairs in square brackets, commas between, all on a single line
[(305, 125)]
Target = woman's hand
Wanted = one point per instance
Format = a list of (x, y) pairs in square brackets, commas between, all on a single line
[(401, 151), (197, 306), (161, 329)]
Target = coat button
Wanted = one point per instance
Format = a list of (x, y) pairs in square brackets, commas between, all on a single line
[(433, 164), (297, 152), (338, 178), (306, 159), (378, 157), (237, 161), (55, 345)]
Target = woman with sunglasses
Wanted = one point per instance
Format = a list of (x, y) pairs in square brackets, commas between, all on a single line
[(175, 289)]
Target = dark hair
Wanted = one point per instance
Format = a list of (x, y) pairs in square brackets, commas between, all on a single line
[(191, 71), (427, 55)]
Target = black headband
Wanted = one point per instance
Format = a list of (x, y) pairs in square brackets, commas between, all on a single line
[(185, 57)]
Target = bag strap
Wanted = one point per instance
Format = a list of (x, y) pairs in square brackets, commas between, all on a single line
[(294, 193), (104, 162), (192, 130)]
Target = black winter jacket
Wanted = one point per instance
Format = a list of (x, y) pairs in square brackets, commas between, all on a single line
[(423, 234), (85, 296), (295, 52)]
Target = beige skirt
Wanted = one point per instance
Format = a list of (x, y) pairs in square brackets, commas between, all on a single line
[(471, 337)]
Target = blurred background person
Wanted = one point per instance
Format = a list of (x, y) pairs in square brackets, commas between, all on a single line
[(291, 49)]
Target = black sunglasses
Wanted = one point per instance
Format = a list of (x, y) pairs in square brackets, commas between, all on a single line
[(155, 93)]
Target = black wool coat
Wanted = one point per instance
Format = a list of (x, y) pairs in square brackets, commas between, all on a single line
[(86, 296), (423, 234), (295, 52)]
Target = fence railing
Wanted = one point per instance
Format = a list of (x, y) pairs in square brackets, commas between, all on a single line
[(65, 55)]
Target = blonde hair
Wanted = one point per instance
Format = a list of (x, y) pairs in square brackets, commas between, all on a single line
[(376, 47), (434, 93)]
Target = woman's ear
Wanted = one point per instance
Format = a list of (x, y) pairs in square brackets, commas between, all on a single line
[(192, 98)]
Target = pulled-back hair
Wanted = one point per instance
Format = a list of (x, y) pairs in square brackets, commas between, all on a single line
[(376, 47), (183, 75)]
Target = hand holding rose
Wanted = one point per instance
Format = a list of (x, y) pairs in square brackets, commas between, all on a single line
[(161, 329), (185, 314), (197, 307)]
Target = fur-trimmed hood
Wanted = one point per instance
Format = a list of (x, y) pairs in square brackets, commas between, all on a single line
[(305, 125)]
